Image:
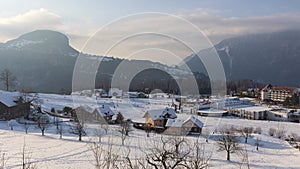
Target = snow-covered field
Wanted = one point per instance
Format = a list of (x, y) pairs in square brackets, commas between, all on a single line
[(50, 151)]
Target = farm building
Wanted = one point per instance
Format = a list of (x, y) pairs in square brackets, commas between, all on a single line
[(191, 125), (12, 106), (158, 118)]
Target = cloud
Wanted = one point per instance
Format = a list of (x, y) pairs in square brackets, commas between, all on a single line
[(35, 19), (212, 23), (218, 27)]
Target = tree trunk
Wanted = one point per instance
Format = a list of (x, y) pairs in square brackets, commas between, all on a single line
[(228, 155), (79, 136)]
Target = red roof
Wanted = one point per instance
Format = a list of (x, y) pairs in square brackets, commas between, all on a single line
[(274, 88), (286, 88)]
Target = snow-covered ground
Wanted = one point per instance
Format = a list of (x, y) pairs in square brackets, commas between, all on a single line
[(50, 151)]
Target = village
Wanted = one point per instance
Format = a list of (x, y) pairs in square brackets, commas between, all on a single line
[(106, 107), (130, 117)]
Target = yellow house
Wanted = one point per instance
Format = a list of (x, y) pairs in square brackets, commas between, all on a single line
[(158, 118)]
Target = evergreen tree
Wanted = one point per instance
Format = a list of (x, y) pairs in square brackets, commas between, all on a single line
[(120, 118)]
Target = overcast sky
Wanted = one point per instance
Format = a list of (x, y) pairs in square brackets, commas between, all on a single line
[(80, 20)]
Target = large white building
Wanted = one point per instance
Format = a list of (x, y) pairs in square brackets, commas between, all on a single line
[(278, 93)]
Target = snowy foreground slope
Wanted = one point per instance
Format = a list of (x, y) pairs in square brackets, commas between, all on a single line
[(50, 151)]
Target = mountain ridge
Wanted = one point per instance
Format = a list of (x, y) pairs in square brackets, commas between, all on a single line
[(266, 57), (43, 61)]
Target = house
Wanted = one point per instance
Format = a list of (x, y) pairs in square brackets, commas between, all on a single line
[(88, 114), (277, 93), (158, 118), (105, 112), (99, 92), (182, 127), (13, 106), (84, 114)]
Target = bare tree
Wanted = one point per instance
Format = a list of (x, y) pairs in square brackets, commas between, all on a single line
[(245, 157), (97, 154), (8, 79), (104, 157), (280, 132), (147, 129), (26, 159), (198, 158), (26, 127), (135, 164), (3, 160), (169, 153), (11, 124), (26, 95), (124, 130), (101, 130), (43, 123), (78, 129), (257, 143), (246, 132), (105, 127), (60, 130), (228, 141), (56, 122)]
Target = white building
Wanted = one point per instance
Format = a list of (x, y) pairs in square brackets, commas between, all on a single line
[(250, 112), (278, 93)]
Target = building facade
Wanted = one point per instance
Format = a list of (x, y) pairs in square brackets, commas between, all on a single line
[(277, 93), (12, 111)]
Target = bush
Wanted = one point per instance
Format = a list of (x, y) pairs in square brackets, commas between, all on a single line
[(258, 130), (67, 109), (272, 131), (280, 133), (295, 136)]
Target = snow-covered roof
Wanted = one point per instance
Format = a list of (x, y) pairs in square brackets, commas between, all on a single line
[(105, 111), (175, 122), (9, 98), (252, 108), (195, 120), (214, 111), (160, 114), (180, 122), (85, 108)]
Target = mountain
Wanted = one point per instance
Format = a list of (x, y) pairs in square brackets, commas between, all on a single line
[(267, 58), (43, 61)]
